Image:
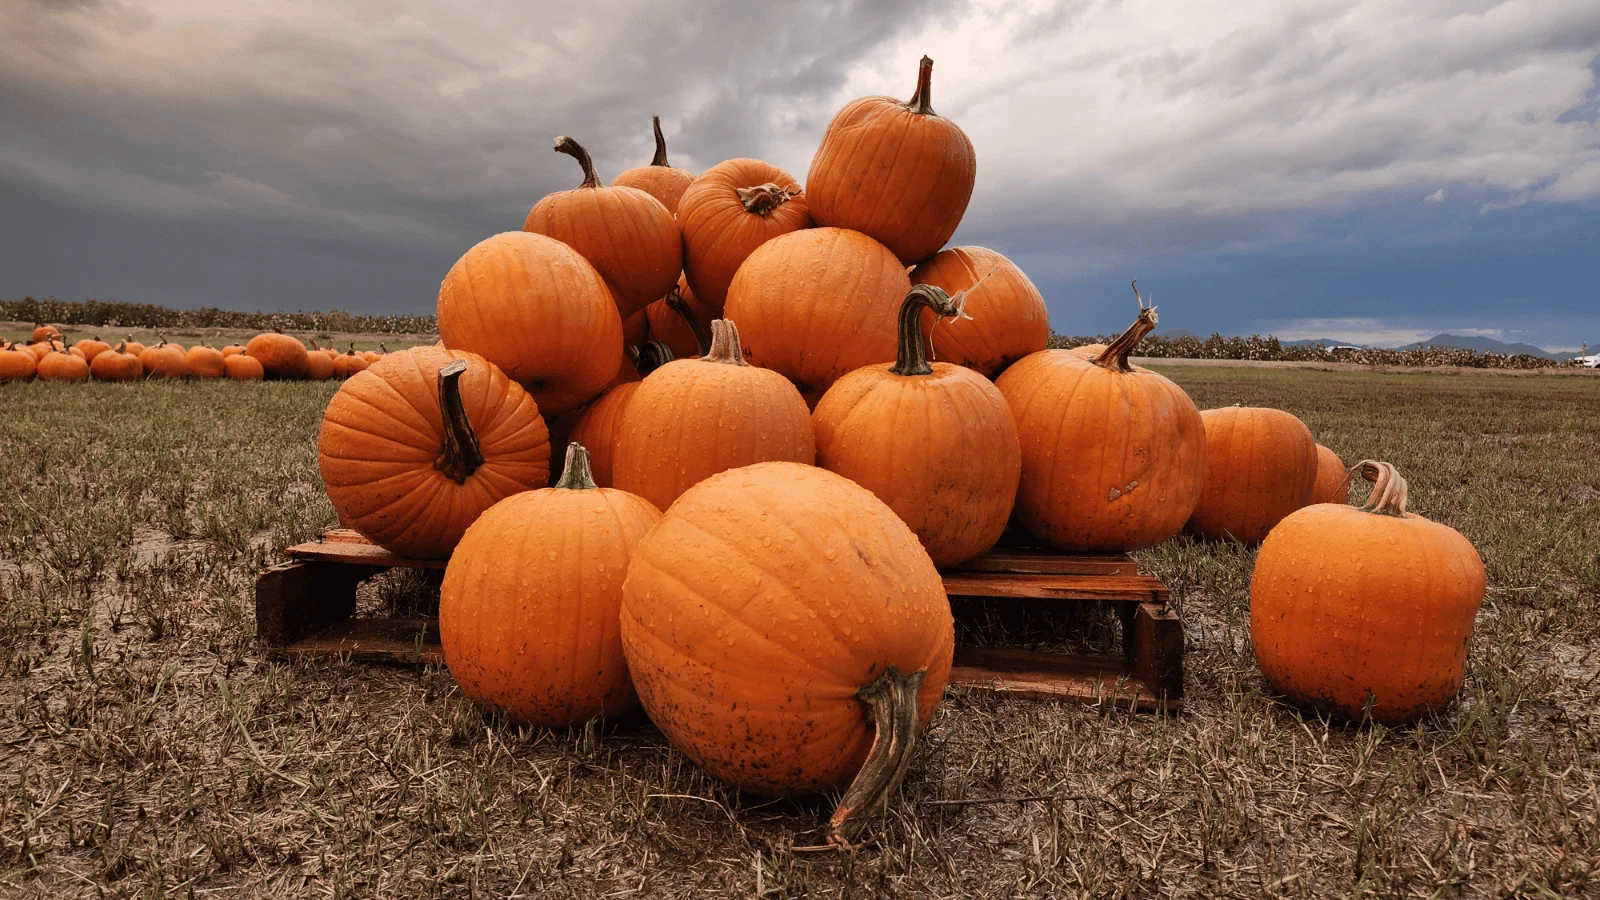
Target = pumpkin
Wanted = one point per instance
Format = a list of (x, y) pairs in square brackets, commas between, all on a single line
[(660, 179), (730, 210), (243, 367), (1357, 611), (44, 334), (598, 425), (635, 329), (629, 237), (935, 442), (816, 304), (62, 366), (673, 322), (319, 366), (205, 361), (116, 364), (164, 360), (1008, 319), (413, 449), (372, 356), (1113, 455), (16, 364), (528, 612), (280, 355), (895, 171), (1261, 465), (788, 633), (326, 351), (693, 418), (42, 349), (90, 348), (133, 346), (1333, 480), (232, 350), (349, 363), (534, 307)]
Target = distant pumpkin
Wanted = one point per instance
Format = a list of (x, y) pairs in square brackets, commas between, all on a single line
[(116, 364), (1333, 480), (16, 364), (280, 355), (205, 361), (660, 179), (164, 361), (60, 365), (1261, 465), (243, 367), (90, 348)]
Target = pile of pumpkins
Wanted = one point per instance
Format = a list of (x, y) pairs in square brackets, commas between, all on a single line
[(777, 412), (271, 355)]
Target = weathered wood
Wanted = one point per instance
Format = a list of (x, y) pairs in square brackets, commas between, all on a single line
[(405, 641), (1032, 561), (1153, 647), (1055, 676), (343, 545), (1131, 588), (296, 598)]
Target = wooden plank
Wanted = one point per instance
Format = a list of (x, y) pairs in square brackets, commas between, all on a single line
[(342, 545), (296, 598), (406, 641), (1055, 676), (1034, 561), (1131, 588), (1153, 645)]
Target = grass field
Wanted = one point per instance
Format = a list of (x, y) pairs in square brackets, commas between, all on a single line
[(146, 748)]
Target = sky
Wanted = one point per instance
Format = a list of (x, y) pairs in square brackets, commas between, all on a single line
[(1372, 171)]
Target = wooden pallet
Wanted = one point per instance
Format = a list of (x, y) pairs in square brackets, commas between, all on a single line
[(306, 608)]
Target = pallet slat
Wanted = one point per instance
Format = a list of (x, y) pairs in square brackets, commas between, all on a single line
[(1056, 676)]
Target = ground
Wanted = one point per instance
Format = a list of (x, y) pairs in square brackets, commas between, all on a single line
[(147, 748)]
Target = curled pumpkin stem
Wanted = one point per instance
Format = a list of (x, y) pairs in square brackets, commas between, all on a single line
[(763, 198), (575, 150), (725, 346), (677, 304), (1388, 497), (577, 476), (460, 456), (892, 700), (651, 355), (1115, 356), (660, 159), (912, 358), (921, 102)]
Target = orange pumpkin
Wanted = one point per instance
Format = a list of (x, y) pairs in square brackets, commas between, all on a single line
[(628, 236), (164, 360), (816, 304), (935, 442), (232, 350), (16, 364), (1113, 455), (1333, 480), (280, 355), (44, 334), (693, 418), (1367, 610), (672, 321), (42, 349), (133, 346), (786, 631), (532, 306), (116, 364), (90, 348), (1261, 465), (413, 449), (205, 361), (660, 179), (730, 210), (243, 367), (327, 351), (635, 329), (895, 171), (1008, 319), (347, 364), (599, 424), (319, 366), (62, 366), (535, 632)]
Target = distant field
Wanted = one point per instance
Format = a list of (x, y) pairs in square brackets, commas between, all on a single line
[(147, 749), (218, 337)]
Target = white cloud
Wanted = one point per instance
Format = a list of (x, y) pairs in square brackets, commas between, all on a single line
[(1435, 197)]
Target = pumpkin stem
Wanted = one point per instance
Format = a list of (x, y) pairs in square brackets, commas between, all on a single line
[(460, 456), (763, 198), (1388, 497), (892, 700), (660, 159), (382, 349), (1115, 356), (575, 150), (651, 356), (577, 476), (921, 102), (677, 304), (912, 358), (725, 344), (122, 346)]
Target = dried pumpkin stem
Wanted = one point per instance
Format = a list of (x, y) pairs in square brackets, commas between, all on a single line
[(921, 102), (575, 150), (660, 159), (1388, 497), (912, 358), (677, 304), (577, 476), (1115, 356), (763, 198), (461, 455), (725, 344), (651, 356), (892, 700)]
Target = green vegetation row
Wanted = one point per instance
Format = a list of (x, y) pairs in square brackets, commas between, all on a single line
[(1269, 348)]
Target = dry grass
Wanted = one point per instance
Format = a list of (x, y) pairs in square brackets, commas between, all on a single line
[(146, 748)]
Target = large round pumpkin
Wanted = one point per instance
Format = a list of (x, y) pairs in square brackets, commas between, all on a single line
[(1007, 319), (935, 442), (1333, 480), (280, 355), (816, 304), (205, 361), (90, 348), (779, 622), (600, 423), (1113, 455), (693, 418), (132, 346), (349, 363), (116, 364), (59, 365), (16, 364), (243, 367), (1365, 610), (413, 449), (44, 334), (165, 360), (626, 234), (1261, 465), (534, 307), (896, 171), (660, 179), (528, 612), (730, 210)]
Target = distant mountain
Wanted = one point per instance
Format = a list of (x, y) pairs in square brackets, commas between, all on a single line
[(1326, 342), (1484, 345)]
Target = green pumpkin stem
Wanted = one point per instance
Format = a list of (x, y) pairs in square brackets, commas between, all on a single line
[(660, 159), (763, 198), (1115, 355), (677, 304), (921, 102), (460, 456), (577, 476), (912, 358), (1388, 497), (892, 700), (575, 150), (725, 344)]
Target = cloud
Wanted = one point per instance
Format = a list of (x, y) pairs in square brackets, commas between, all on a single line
[(1435, 197)]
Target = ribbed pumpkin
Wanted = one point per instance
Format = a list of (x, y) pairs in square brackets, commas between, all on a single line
[(205, 361), (280, 355), (1261, 465), (1365, 609), (43, 334), (413, 449), (133, 346), (1333, 480), (816, 304), (532, 306), (599, 425), (660, 179), (41, 349), (786, 631), (60, 365), (895, 171), (164, 360), (90, 348), (935, 442), (1113, 455), (242, 367), (626, 234), (349, 363), (672, 321), (693, 418), (1008, 319), (116, 364), (730, 210), (16, 364), (528, 612), (232, 350)]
